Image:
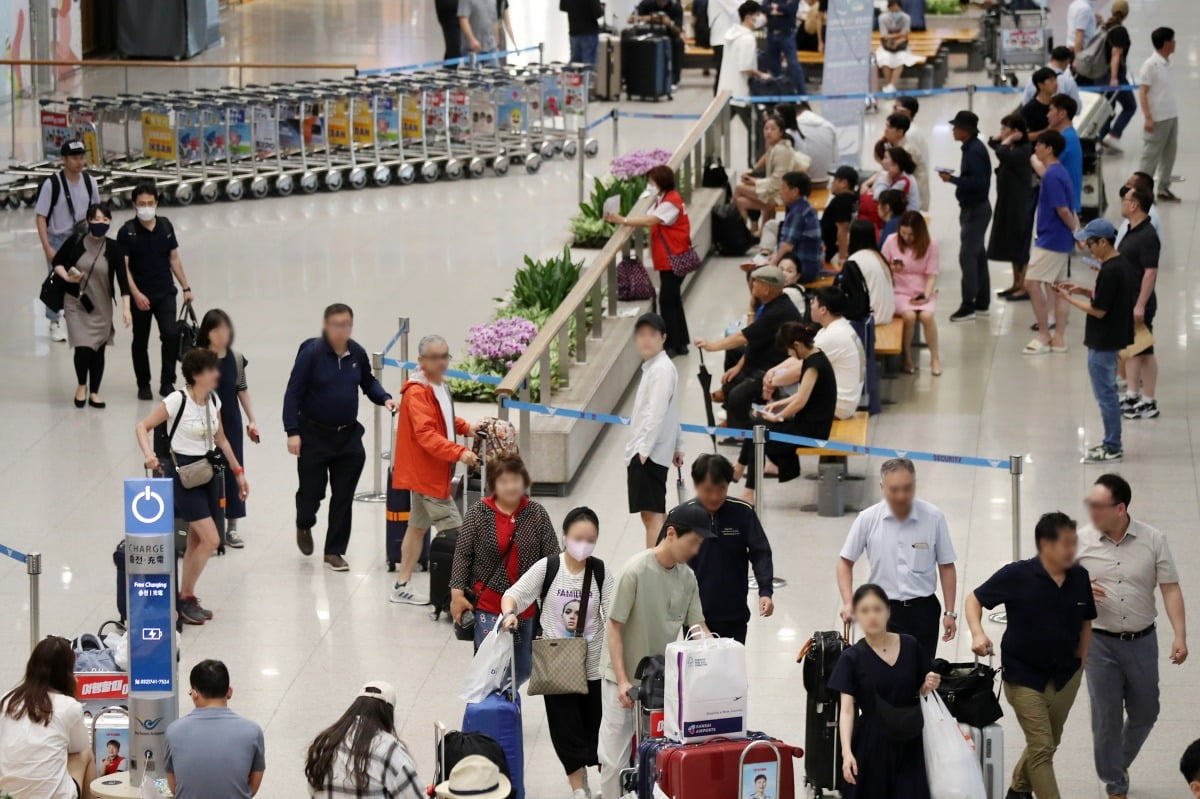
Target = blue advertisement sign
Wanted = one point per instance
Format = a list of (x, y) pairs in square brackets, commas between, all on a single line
[(149, 506), (151, 660)]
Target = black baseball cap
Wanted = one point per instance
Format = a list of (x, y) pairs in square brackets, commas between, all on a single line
[(691, 518), (651, 319), (73, 147)]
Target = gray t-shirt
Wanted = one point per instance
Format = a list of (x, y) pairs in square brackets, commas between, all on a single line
[(482, 16), (208, 736), (58, 220)]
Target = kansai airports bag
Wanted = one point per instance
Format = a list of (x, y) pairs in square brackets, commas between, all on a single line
[(705, 689)]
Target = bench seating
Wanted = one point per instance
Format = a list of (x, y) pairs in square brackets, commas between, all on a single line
[(696, 57), (889, 337), (845, 431), (832, 471)]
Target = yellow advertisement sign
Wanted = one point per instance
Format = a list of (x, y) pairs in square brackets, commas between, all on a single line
[(158, 137), (410, 118), (364, 120), (338, 124)]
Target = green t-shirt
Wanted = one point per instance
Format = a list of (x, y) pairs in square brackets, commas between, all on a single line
[(654, 604)]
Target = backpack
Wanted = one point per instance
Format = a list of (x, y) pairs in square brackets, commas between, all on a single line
[(492, 437), (457, 745), (729, 232), (1093, 61), (552, 564), (858, 298), (58, 188), (164, 433), (714, 176), (92, 655)]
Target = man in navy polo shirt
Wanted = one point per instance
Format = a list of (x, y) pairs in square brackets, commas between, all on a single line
[(1050, 609)]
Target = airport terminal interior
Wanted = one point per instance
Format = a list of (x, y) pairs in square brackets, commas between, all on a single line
[(300, 639)]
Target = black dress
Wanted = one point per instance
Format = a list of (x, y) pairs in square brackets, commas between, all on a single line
[(1012, 220), (231, 425), (886, 769)]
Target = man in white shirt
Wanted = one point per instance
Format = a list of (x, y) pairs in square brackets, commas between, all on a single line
[(1161, 110), (655, 441), (841, 346), (1127, 560), (908, 545), (1082, 20), (722, 18), (1060, 61), (739, 59), (818, 140)]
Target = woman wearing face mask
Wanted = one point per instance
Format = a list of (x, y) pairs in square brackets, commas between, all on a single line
[(501, 539), (94, 267), (574, 719), (216, 333), (670, 233)]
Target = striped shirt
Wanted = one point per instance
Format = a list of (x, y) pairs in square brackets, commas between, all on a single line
[(390, 770)]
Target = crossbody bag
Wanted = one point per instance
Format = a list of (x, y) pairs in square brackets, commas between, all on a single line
[(200, 472)]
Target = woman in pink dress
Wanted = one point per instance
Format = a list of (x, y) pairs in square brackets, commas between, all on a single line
[(913, 257)]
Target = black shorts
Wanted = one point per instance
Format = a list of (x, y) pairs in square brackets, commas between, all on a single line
[(201, 502), (1151, 311), (647, 486)]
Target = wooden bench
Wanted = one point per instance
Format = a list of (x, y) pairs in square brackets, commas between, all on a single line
[(889, 337), (926, 47), (696, 57), (825, 279), (844, 431), (832, 474)]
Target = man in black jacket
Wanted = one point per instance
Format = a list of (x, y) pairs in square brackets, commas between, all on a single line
[(724, 561), (971, 187), (583, 28), (447, 16)]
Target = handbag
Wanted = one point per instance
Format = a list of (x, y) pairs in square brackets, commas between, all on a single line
[(633, 282), (967, 689), (53, 293), (187, 328), (683, 263), (560, 664), (899, 724), (201, 472), (465, 631)]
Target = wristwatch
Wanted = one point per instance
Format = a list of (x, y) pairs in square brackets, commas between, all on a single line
[(952, 614)]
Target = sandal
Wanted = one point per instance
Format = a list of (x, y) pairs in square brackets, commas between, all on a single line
[(1035, 347)]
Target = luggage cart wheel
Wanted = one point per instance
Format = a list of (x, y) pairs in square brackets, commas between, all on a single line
[(333, 180), (532, 163), (429, 171), (381, 175), (209, 191), (13, 202), (235, 190), (591, 147), (184, 194), (500, 165), (476, 166), (391, 566), (570, 148), (284, 185), (358, 177), (260, 187), (29, 196), (546, 148), (309, 182), (406, 174), (454, 169)]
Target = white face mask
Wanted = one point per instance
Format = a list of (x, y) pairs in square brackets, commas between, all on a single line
[(145, 213), (580, 550), (760, 21), (650, 187)]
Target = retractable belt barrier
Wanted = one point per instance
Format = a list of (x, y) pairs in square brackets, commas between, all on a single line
[(473, 58), (33, 567)]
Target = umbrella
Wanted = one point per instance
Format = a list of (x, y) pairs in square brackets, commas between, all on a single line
[(706, 384), (680, 491)]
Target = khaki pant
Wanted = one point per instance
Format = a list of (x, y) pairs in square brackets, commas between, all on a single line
[(1041, 715)]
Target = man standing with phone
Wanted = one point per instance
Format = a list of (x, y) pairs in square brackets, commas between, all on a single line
[(971, 187)]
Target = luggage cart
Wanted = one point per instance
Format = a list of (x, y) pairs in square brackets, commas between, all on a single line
[(1022, 40), (515, 96)]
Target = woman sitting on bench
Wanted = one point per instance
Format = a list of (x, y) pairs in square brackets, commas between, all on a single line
[(913, 256), (762, 194)]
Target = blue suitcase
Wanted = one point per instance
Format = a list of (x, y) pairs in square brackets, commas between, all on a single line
[(499, 717), (647, 67)]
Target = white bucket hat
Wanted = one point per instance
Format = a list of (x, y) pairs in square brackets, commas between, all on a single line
[(475, 777)]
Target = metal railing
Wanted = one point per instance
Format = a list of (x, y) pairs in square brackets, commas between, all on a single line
[(33, 567), (709, 136)]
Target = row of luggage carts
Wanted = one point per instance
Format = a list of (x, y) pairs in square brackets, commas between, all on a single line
[(369, 129)]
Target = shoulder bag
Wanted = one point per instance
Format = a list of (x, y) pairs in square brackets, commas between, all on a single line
[(683, 263), (560, 664), (187, 328)]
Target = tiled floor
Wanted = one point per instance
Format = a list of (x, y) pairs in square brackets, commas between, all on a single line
[(299, 639)]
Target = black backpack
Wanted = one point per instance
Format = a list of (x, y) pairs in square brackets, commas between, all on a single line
[(730, 235), (819, 655), (714, 176), (58, 184), (457, 745), (858, 298), (652, 673)]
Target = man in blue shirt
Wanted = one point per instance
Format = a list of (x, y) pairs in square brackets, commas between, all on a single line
[(320, 416), (1056, 224), (1062, 110), (1050, 609), (971, 188), (781, 40), (800, 231)]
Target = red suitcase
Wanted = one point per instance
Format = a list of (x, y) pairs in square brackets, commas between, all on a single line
[(725, 769)]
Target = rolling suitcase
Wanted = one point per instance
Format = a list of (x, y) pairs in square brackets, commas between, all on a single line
[(398, 508), (989, 746), (608, 68), (647, 67), (499, 717), (823, 757), (719, 769)]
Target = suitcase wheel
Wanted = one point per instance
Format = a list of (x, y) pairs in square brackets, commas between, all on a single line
[(221, 549), (391, 565)]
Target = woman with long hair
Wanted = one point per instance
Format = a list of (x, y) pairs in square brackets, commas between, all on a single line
[(1012, 224), (762, 194), (360, 754), (881, 679), (913, 256), (45, 752), (216, 333), (864, 251)]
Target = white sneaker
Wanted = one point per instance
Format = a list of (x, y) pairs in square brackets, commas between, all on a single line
[(1112, 143), (580, 793), (403, 594), (889, 89), (58, 331)]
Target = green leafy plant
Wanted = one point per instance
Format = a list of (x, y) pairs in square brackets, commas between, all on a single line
[(591, 233), (943, 6), (543, 285)]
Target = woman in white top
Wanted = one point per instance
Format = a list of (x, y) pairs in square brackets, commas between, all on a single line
[(864, 251), (574, 719), (44, 748), (189, 432)]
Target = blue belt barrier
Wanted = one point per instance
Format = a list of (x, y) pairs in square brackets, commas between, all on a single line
[(795, 98), (392, 343), (491, 380), (9, 552), (450, 62)]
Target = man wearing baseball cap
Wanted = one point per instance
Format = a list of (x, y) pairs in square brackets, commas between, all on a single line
[(1108, 330), (971, 187), (62, 203)]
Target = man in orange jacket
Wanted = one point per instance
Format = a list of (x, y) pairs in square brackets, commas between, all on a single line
[(426, 451)]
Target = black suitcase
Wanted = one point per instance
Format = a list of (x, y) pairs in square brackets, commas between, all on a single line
[(441, 560), (822, 746), (730, 236), (399, 506), (647, 67)]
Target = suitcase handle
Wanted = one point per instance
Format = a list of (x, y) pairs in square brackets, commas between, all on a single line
[(742, 763)]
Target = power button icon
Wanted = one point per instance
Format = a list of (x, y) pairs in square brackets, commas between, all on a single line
[(147, 500)]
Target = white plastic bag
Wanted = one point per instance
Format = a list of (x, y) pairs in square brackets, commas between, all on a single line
[(706, 688), (491, 669), (951, 762)]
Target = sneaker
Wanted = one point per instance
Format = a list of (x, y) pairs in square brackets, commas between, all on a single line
[(190, 611), (963, 315), (579, 793), (233, 540), (205, 612), (1122, 384), (1166, 195), (336, 563), (1102, 454), (981, 311), (58, 331), (144, 393), (1142, 410), (304, 540), (1129, 402), (1112, 143), (402, 594)]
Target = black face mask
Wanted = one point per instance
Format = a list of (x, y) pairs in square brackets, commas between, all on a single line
[(98, 229)]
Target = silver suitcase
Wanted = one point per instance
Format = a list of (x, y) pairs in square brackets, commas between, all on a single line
[(608, 67), (989, 746)]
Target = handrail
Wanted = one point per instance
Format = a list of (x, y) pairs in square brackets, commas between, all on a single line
[(101, 62), (684, 162)]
